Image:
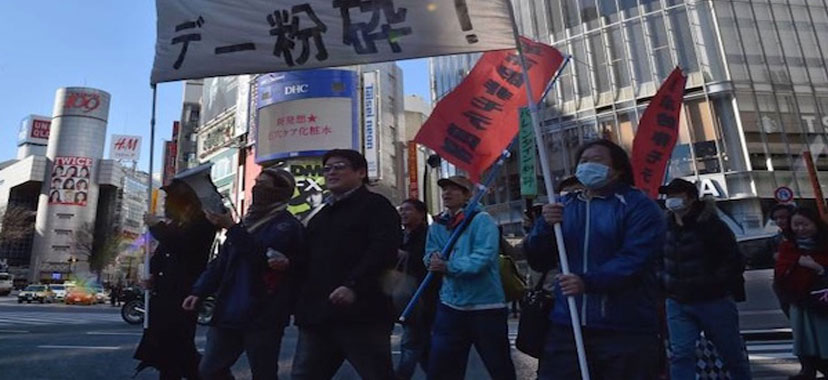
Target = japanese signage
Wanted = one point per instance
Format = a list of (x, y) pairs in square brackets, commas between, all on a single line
[(170, 151), (657, 134), (526, 141), (70, 181), (34, 130), (472, 125), (215, 136), (413, 170), (371, 122), (126, 148), (310, 187), (207, 38), (306, 113)]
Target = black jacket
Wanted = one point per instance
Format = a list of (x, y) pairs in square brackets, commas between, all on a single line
[(414, 243), (175, 265), (352, 243), (701, 260), (250, 295)]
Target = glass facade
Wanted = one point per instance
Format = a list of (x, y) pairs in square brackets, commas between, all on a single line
[(756, 95)]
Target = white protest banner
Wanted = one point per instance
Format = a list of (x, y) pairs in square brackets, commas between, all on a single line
[(125, 148), (206, 38)]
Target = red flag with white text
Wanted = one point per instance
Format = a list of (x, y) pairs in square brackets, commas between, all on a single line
[(472, 125), (657, 134)]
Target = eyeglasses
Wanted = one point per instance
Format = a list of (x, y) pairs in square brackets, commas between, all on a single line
[(337, 166)]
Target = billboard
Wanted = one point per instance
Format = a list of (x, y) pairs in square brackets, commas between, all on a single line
[(218, 94), (125, 148), (306, 113), (34, 129), (310, 188), (70, 181), (170, 150), (371, 122)]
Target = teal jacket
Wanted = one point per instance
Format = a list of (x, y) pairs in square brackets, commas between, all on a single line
[(473, 272)]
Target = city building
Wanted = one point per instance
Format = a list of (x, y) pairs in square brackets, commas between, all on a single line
[(61, 201), (756, 96), (422, 182)]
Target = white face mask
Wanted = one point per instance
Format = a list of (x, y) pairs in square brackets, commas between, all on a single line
[(675, 204)]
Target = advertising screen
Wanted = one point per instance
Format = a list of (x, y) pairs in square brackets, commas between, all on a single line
[(306, 113), (70, 181)]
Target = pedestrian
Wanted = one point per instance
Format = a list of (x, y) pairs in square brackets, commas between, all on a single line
[(780, 214), (343, 312), (472, 308), (254, 279), (803, 258), (702, 276), (184, 239), (613, 233), (115, 294), (416, 336)]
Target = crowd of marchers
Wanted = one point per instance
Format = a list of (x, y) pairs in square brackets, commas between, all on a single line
[(639, 276)]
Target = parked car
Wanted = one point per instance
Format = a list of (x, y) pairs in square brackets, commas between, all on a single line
[(38, 293), (80, 295), (60, 291), (6, 283)]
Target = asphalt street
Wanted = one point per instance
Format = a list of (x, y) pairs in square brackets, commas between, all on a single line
[(55, 341)]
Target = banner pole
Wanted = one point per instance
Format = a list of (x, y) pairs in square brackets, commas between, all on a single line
[(551, 196), (148, 240)]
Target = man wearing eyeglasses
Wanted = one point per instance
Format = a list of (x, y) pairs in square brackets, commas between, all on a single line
[(343, 312)]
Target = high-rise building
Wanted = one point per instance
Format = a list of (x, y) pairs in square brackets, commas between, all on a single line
[(756, 95)]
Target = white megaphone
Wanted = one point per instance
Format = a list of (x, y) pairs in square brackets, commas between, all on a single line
[(198, 179)]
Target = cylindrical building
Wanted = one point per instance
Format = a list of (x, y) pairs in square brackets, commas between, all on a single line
[(68, 200)]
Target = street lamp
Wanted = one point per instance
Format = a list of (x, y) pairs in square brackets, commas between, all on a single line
[(72, 260)]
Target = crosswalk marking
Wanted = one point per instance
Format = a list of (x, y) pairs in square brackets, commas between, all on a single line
[(31, 318), (770, 350)]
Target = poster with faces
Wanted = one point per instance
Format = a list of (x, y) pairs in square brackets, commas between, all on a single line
[(70, 181)]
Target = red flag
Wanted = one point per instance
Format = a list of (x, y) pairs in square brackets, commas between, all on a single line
[(657, 134), (472, 125)]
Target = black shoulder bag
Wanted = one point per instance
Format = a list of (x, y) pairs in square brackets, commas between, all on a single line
[(534, 319)]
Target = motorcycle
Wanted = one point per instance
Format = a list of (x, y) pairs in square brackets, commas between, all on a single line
[(133, 309)]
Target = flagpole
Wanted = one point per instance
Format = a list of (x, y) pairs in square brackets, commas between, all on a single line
[(551, 196), (148, 240)]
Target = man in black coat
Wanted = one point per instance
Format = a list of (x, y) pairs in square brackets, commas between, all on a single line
[(184, 240), (343, 312), (702, 276)]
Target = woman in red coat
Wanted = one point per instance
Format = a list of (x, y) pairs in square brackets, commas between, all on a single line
[(803, 259)]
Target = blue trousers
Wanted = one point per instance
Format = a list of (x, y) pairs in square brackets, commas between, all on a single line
[(719, 320), (456, 331)]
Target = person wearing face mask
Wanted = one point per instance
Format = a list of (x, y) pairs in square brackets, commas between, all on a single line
[(701, 273), (803, 259), (254, 278), (613, 233)]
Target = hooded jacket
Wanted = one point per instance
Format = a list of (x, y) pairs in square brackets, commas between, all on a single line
[(472, 275), (612, 243), (701, 260)]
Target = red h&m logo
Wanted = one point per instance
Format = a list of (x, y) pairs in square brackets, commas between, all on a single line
[(126, 144)]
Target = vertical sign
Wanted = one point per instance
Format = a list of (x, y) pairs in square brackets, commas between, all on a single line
[(125, 148), (413, 166), (526, 140), (371, 122)]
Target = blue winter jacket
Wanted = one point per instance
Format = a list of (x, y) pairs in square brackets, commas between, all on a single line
[(473, 271), (239, 276), (612, 242)]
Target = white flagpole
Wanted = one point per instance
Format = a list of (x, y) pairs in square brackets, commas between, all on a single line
[(550, 191), (148, 242)]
